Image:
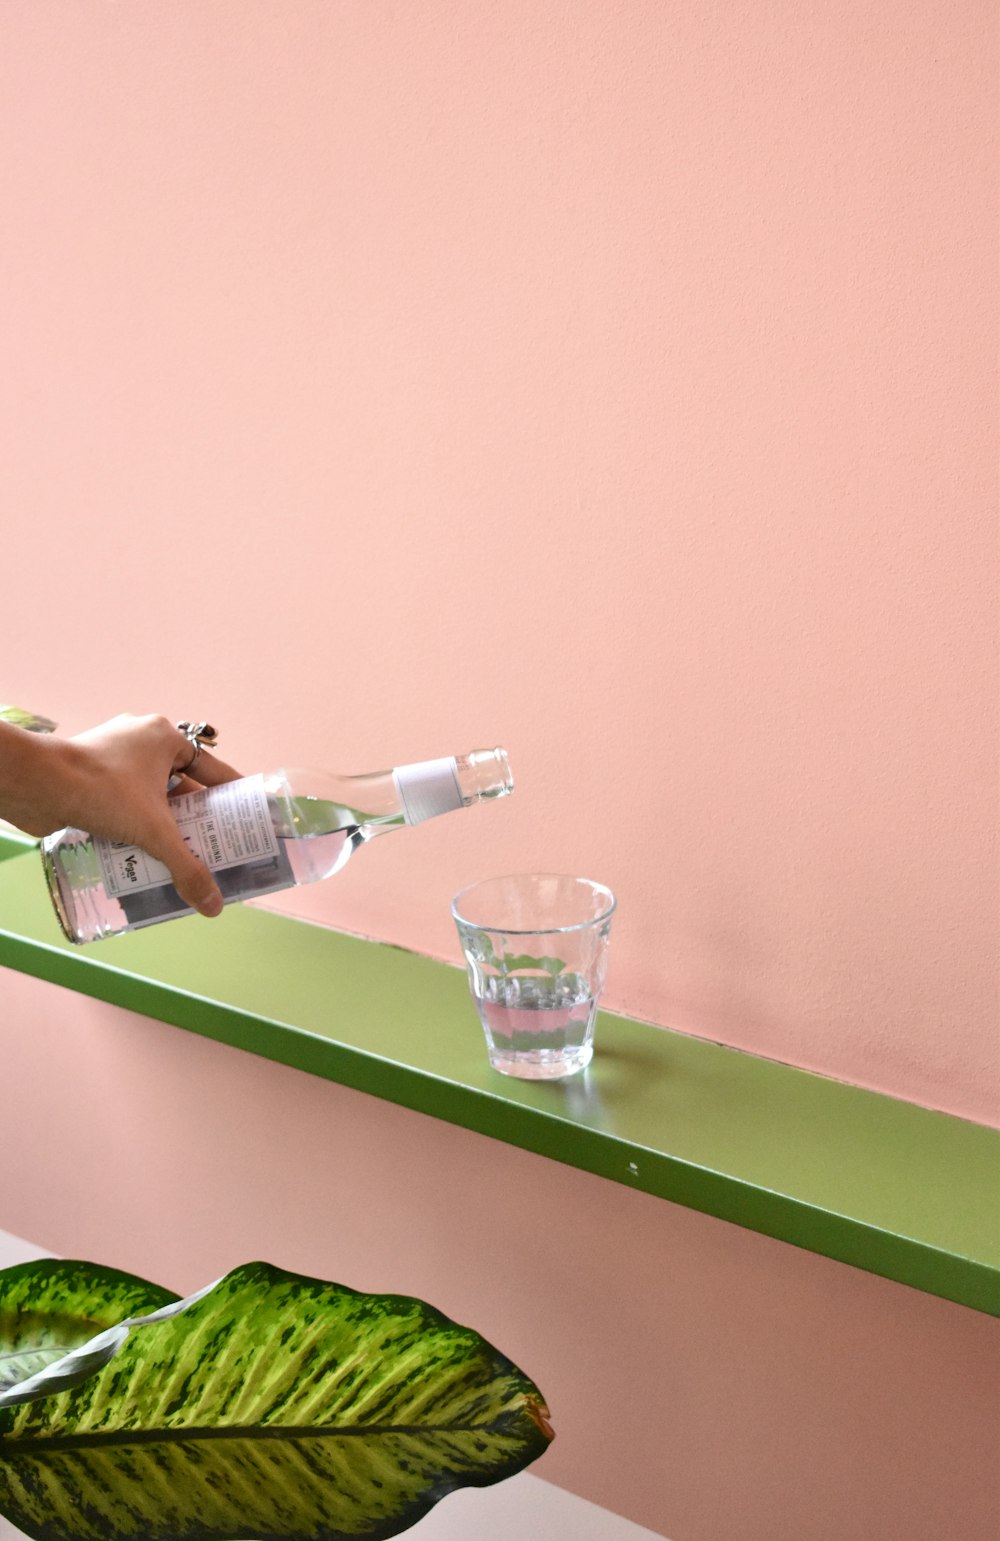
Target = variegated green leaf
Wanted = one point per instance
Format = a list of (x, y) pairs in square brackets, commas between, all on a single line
[(51, 1307), (275, 1407), (30, 720)]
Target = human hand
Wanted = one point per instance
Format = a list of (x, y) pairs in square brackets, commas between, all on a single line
[(112, 782)]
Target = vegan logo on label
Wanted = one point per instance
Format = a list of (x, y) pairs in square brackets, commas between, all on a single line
[(129, 866)]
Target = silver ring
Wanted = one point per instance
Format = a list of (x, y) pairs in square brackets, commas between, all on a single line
[(199, 735)]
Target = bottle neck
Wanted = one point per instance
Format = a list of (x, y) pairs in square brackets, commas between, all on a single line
[(484, 774), (309, 803), (431, 787)]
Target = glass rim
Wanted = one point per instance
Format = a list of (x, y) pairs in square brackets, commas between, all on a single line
[(580, 925)]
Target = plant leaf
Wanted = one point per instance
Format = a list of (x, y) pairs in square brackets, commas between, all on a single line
[(57, 1372), (277, 1407), (51, 1308)]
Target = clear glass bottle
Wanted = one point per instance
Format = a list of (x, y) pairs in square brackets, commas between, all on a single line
[(258, 835)]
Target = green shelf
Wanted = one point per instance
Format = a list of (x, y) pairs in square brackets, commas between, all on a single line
[(14, 844), (877, 1183)]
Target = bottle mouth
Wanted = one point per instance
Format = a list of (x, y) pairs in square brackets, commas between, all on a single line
[(490, 774)]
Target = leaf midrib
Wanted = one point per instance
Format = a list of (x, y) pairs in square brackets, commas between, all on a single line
[(12, 1447)]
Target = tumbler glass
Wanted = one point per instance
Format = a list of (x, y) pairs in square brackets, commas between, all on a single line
[(535, 948)]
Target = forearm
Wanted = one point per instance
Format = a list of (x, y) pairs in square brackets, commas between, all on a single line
[(38, 779)]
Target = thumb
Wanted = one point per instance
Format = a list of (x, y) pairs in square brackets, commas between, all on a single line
[(189, 875)]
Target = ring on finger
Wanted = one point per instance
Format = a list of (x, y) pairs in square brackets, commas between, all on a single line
[(199, 735)]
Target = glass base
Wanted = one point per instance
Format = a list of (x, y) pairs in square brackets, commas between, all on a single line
[(542, 1064)]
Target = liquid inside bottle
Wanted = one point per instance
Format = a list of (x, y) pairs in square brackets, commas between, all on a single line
[(258, 836)]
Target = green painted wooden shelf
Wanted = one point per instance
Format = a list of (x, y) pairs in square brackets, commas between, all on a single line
[(871, 1181)]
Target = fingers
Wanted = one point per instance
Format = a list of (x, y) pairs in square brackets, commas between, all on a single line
[(210, 771), (190, 877), (207, 770)]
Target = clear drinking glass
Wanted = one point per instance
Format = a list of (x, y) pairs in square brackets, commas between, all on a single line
[(536, 950)]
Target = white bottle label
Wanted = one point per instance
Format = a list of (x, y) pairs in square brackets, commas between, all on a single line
[(428, 788), (224, 826)]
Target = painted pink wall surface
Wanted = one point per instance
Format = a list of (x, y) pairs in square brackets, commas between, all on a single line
[(609, 381), (704, 1381)]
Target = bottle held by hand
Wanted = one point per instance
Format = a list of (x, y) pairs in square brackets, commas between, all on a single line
[(258, 835)]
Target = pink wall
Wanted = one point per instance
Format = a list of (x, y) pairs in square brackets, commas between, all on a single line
[(704, 1381), (610, 381), (382, 380)]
